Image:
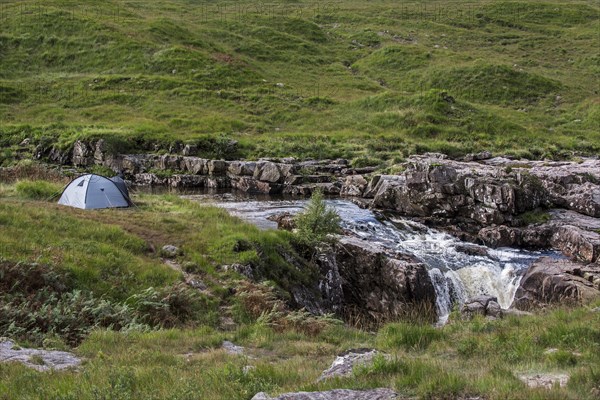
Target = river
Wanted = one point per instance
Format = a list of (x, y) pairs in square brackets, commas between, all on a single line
[(456, 275)]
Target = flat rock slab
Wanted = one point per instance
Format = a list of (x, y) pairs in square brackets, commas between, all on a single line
[(344, 364), (41, 360), (337, 394), (232, 348), (544, 380)]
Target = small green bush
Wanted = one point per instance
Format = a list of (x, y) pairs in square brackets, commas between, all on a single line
[(317, 221), (38, 190)]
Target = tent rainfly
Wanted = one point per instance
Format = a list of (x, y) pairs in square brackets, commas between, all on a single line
[(95, 191)]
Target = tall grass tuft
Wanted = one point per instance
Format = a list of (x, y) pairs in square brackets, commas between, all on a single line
[(38, 190)]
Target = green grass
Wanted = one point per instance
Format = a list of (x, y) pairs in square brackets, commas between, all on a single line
[(144, 73), (186, 364), (103, 268), (38, 190)]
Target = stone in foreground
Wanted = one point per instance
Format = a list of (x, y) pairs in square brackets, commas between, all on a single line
[(344, 364), (232, 348), (547, 381), (337, 394), (41, 360)]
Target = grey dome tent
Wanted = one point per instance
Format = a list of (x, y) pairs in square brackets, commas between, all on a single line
[(92, 191)]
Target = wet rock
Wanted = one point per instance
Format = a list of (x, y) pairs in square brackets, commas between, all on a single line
[(481, 305), (574, 234), (544, 380), (41, 360), (506, 236), (572, 185), (552, 281), (345, 363), (354, 185), (330, 189), (491, 192), (217, 167), (148, 179), (577, 243), (472, 250), (187, 181), (218, 182), (231, 348), (250, 185), (285, 221), (330, 283), (379, 284), (336, 394)]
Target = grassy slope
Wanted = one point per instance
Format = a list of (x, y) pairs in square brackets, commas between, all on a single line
[(116, 253), (108, 252), (356, 76)]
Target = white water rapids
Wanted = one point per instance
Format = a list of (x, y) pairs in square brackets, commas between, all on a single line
[(456, 275)]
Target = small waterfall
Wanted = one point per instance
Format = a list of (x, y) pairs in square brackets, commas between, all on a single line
[(449, 292), (457, 274)]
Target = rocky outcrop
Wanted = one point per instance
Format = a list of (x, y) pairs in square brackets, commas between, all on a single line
[(491, 192), (552, 281), (571, 185), (41, 360), (269, 176), (480, 190), (433, 186), (576, 235), (336, 394), (373, 282)]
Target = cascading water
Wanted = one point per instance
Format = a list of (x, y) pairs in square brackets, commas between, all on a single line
[(456, 274)]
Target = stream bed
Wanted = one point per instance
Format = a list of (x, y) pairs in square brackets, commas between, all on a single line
[(458, 270)]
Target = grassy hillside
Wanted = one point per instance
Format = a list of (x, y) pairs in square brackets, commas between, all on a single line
[(380, 79)]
